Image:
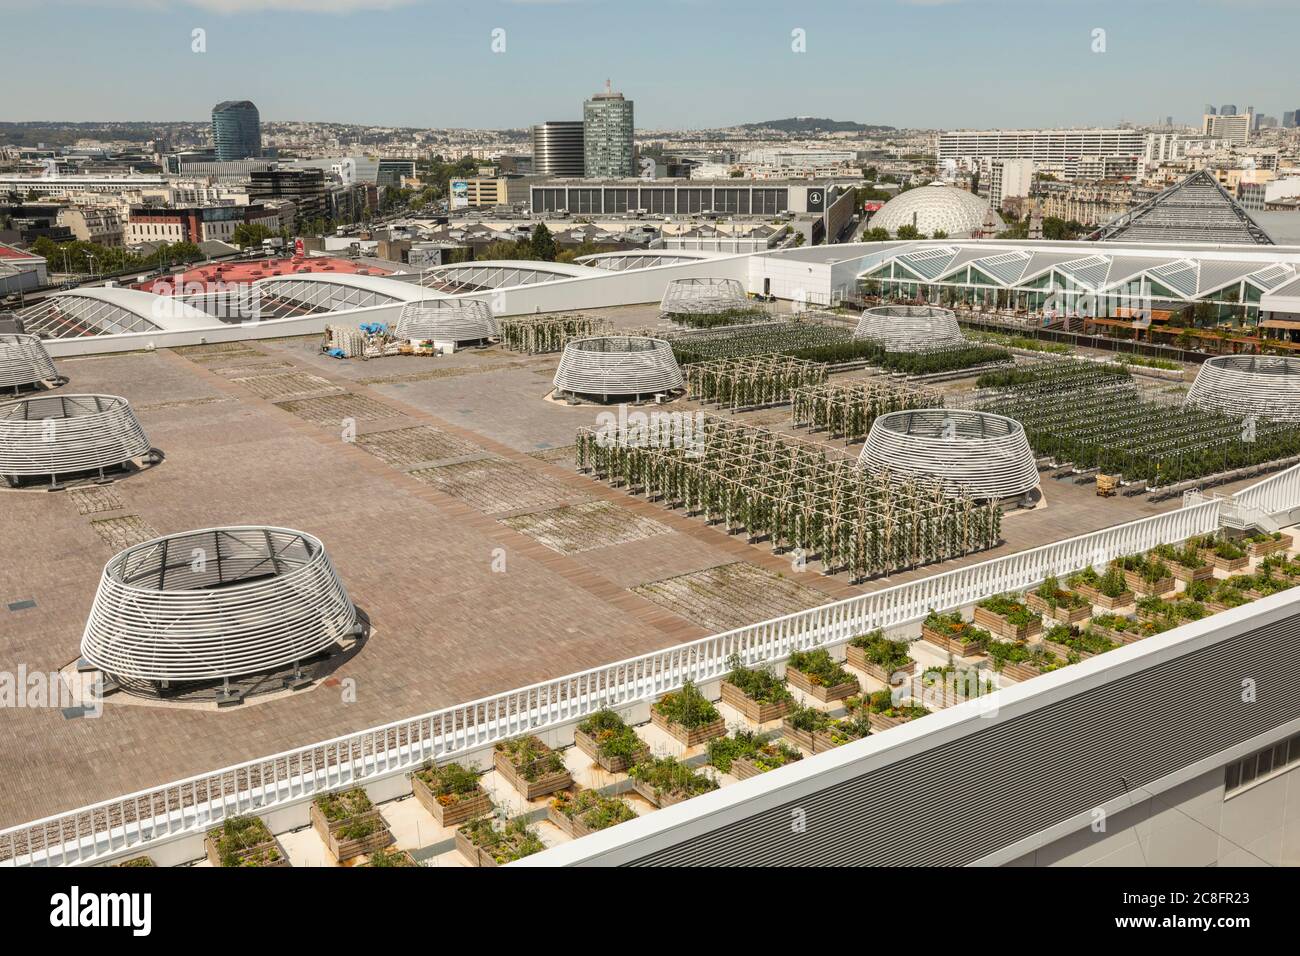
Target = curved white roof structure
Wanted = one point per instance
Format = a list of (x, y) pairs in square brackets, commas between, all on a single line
[(617, 366), (24, 361), (110, 310), (628, 259), (215, 603), (910, 328), (53, 435), (1266, 386), (933, 207), (314, 293), (498, 274), (983, 454)]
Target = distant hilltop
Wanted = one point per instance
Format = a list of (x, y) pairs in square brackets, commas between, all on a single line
[(813, 124)]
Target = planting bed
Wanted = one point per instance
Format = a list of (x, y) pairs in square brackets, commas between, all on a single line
[(530, 766), (451, 793)]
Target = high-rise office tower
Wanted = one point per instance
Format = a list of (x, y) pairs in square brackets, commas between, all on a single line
[(1288, 119), (236, 131), (1210, 110), (607, 135), (557, 149), (1227, 109)]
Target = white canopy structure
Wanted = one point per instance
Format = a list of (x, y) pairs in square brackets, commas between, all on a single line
[(446, 320), (24, 361), (910, 328), (985, 455), (216, 603), (1266, 386), (53, 435), (110, 310), (617, 367)]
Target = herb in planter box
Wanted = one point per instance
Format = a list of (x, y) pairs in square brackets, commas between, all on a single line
[(586, 811), (487, 843), (1222, 553), (946, 686), (951, 633), (244, 841), (138, 861), (349, 823), (1262, 543), (1005, 616), (451, 793), (386, 856), (1185, 563), (1109, 590), (748, 754), (805, 726), (1065, 641), (1225, 596), (1057, 603), (341, 806), (607, 739), (1020, 662), (880, 657), (688, 716), (1146, 574), (530, 766), (665, 781), (883, 713), (756, 692), (816, 673), (848, 729)]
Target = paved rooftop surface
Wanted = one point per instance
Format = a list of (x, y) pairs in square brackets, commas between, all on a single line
[(454, 458)]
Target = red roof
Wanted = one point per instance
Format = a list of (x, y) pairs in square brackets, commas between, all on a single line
[(9, 252), (251, 270)]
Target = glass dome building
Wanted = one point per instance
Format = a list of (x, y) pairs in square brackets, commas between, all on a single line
[(934, 207)]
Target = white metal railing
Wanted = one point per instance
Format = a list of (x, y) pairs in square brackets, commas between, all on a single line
[(1273, 495), (189, 806)]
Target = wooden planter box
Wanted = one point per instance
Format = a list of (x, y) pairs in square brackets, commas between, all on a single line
[(572, 828), (857, 657), (1020, 671), (452, 815), (647, 791), (880, 722), (214, 855), (1060, 614), (997, 624), (1215, 608), (1188, 575), (688, 737), (953, 646), (405, 855), (544, 784), (1140, 584), (813, 741), (1260, 549), (588, 745), (1224, 564), (742, 769), (733, 696), (344, 850), (1102, 600), (470, 851), (1063, 652), (823, 694)]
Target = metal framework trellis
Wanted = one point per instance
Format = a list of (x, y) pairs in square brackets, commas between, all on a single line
[(847, 409), (798, 495), (1093, 419), (757, 338), (751, 381), (537, 334)]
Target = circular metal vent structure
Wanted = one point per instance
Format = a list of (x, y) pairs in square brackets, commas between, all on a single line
[(1267, 386), (910, 328), (985, 455), (617, 366), (52, 435), (24, 361), (446, 320), (704, 296), (216, 603)]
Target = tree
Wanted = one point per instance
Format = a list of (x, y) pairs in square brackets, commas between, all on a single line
[(542, 243), (250, 234), (940, 234), (908, 231)]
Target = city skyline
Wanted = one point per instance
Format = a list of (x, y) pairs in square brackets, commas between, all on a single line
[(895, 63)]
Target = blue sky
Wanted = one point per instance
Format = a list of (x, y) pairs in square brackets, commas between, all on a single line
[(686, 63)]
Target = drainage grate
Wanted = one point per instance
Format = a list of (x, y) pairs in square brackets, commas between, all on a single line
[(333, 409), (94, 499), (122, 532), (22, 605), (410, 446)]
